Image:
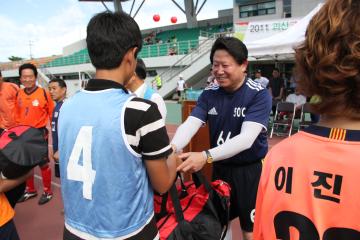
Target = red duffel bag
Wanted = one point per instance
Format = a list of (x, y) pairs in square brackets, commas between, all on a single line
[(196, 210), (21, 149)]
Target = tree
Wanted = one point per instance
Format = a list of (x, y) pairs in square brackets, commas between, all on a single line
[(14, 58)]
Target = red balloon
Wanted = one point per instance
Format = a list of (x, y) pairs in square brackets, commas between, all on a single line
[(156, 17), (173, 19)]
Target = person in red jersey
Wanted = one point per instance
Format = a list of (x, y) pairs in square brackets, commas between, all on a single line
[(34, 108), (8, 92), (309, 184)]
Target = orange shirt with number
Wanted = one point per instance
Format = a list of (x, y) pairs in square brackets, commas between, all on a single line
[(35, 108), (309, 187), (8, 92)]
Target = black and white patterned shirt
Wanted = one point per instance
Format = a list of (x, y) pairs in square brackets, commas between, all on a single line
[(144, 127)]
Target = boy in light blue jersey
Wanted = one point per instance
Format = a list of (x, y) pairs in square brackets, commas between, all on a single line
[(114, 149)]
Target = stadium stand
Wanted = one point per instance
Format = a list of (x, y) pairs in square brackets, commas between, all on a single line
[(179, 41)]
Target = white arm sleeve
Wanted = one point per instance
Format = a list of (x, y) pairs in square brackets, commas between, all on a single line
[(239, 143), (185, 132)]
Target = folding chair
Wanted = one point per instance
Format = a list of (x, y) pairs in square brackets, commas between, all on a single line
[(305, 110), (288, 109)]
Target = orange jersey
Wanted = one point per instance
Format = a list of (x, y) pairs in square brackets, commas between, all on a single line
[(309, 187), (6, 211), (8, 92), (34, 109)]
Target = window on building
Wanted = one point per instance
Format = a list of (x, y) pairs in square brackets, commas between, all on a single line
[(258, 9), (287, 8)]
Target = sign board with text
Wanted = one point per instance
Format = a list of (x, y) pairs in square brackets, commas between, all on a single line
[(253, 31)]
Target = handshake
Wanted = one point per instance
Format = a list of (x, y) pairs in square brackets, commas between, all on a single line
[(190, 161)]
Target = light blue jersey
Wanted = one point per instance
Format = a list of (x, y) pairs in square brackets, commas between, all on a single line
[(105, 187), (148, 93)]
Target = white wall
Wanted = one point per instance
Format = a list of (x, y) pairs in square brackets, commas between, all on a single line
[(301, 8)]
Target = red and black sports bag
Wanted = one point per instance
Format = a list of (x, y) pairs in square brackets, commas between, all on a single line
[(195, 210), (21, 149)]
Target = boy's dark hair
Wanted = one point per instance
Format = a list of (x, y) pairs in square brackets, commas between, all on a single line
[(109, 37), (140, 69), (0, 74), (233, 46), (61, 82), (28, 66)]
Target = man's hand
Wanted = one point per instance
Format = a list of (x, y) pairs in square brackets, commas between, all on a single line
[(193, 162)]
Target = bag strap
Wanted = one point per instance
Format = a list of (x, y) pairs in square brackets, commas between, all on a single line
[(223, 235), (176, 202), (199, 179), (163, 202)]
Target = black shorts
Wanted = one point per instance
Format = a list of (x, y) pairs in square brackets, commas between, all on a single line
[(8, 231), (244, 181)]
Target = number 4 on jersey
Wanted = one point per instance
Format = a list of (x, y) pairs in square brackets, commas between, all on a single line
[(82, 173)]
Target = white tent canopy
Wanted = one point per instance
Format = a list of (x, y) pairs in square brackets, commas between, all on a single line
[(281, 45)]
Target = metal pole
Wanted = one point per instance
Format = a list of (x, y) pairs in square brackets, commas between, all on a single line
[(117, 6)]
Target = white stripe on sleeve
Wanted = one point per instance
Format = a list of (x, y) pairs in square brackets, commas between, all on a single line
[(158, 152), (138, 105)]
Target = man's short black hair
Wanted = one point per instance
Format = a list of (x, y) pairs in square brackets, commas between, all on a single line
[(28, 66), (277, 70), (233, 46), (61, 82), (109, 36), (140, 69)]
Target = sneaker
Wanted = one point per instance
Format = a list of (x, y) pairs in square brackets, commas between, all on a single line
[(26, 196), (45, 197)]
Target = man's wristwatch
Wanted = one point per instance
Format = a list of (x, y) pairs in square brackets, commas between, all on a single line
[(209, 158)]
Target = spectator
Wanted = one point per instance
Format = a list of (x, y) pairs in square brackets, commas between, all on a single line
[(292, 83), (57, 89), (8, 93), (211, 80), (138, 86), (298, 100), (237, 113), (315, 99), (309, 184), (158, 82), (276, 88), (264, 82), (125, 148), (181, 87), (34, 108), (172, 51), (286, 81), (247, 75)]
